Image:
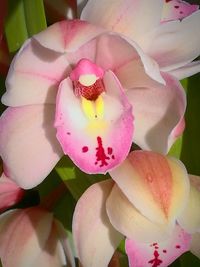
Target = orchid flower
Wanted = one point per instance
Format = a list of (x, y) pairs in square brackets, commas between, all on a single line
[(151, 202), (89, 92), (32, 237), (159, 27), (10, 193)]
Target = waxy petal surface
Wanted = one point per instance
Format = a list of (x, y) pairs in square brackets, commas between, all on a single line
[(52, 253), (130, 222), (164, 43), (187, 70), (28, 145), (68, 35), (10, 193), (95, 238), (156, 254), (34, 75), (176, 9), (132, 18), (157, 117), (189, 219), (95, 140), (23, 234), (157, 186)]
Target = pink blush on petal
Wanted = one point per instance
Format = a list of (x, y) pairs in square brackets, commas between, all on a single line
[(176, 9)]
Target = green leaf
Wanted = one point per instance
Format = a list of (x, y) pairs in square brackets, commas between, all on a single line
[(25, 18), (188, 259), (15, 25), (176, 149), (35, 16), (76, 180), (190, 154)]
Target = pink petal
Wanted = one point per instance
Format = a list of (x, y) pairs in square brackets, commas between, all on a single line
[(187, 70), (189, 219), (156, 118), (34, 75), (23, 235), (61, 232), (130, 222), (151, 67), (156, 254), (10, 193), (164, 43), (132, 75), (133, 18), (176, 9), (28, 144), (68, 35), (156, 185), (95, 144), (52, 254), (113, 51), (95, 238)]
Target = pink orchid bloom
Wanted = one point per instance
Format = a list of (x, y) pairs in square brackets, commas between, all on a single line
[(10, 193), (75, 88), (32, 237), (151, 202)]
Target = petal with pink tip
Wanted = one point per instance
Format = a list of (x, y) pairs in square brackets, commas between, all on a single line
[(95, 142), (130, 222), (68, 35), (195, 248), (10, 193), (28, 144), (160, 254), (95, 238), (156, 185), (133, 18), (176, 9), (187, 70), (23, 235), (157, 117), (164, 43), (34, 75), (189, 219)]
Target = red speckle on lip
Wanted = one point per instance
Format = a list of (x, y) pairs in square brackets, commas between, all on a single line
[(110, 150), (164, 251), (101, 155), (178, 246), (155, 261), (85, 149)]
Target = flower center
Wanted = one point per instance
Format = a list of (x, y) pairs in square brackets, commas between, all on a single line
[(87, 80)]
